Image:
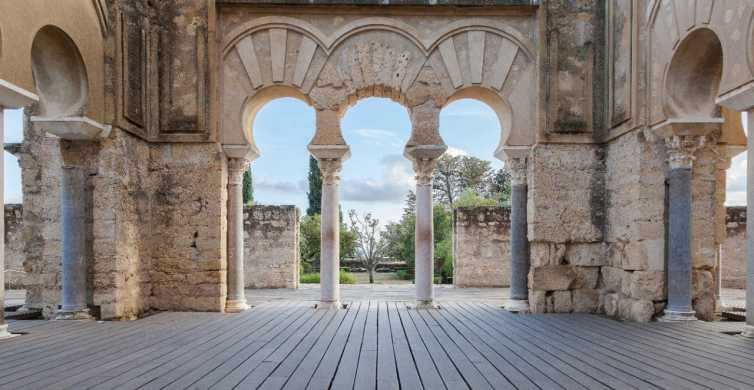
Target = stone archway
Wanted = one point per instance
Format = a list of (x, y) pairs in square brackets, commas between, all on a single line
[(421, 68)]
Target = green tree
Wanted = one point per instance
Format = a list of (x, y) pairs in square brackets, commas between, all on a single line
[(248, 188), (315, 188), (499, 186), (454, 174), (311, 238), (470, 198)]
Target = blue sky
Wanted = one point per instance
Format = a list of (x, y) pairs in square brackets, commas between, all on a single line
[(377, 177)]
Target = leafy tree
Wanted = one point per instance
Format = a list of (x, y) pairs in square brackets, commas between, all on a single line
[(470, 198), (248, 188), (315, 188), (454, 174), (500, 186), (369, 243), (311, 239)]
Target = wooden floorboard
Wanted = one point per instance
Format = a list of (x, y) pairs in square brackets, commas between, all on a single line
[(374, 345)]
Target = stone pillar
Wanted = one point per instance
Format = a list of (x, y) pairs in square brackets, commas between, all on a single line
[(518, 300), (329, 264), (236, 300), (424, 235), (748, 330), (680, 159), (3, 326), (74, 203)]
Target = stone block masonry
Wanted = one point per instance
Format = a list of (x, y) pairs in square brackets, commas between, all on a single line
[(271, 246), (733, 250), (14, 246), (481, 252)]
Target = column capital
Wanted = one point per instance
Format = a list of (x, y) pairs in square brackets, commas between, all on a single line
[(329, 169), (236, 169), (681, 149), (424, 169), (519, 168)]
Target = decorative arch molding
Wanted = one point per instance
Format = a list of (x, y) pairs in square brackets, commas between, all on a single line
[(377, 57)]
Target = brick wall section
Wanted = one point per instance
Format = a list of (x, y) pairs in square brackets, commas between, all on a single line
[(481, 247), (734, 249), (271, 246), (14, 246)]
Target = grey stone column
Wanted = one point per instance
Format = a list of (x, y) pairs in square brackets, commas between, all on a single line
[(329, 264), (424, 235), (3, 326), (75, 256), (236, 300), (748, 330), (680, 159), (518, 300)]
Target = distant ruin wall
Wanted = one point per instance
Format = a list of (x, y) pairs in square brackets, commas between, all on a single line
[(271, 246), (733, 251), (481, 242), (14, 246)]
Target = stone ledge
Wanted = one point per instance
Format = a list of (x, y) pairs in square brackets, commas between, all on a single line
[(460, 3)]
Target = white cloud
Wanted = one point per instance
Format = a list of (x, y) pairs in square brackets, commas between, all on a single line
[(396, 179), (380, 136), (281, 186), (471, 112), (736, 182), (454, 152)]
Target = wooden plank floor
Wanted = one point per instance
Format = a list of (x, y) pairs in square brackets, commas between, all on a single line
[(375, 345)]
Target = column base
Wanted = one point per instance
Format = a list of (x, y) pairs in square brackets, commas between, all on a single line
[(677, 316), (517, 305), (748, 331), (330, 305), (73, 315), (425, 304), (236, 305), (5, 333)]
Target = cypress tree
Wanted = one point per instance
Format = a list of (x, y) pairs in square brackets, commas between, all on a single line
[(315, 188), (248, 188)]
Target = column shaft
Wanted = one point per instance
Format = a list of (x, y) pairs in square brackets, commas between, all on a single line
[(236, 300), (424, 244), (329, 265), (749, 328), (679, 253), (3, 325), (519, 290), (73, 225)]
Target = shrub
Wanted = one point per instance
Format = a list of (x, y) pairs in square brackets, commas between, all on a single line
[(313, 278), (404, 274)]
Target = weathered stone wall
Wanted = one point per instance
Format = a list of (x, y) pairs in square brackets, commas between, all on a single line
[(188, 227), (121, 281), (481, 247), (633, 278), (41, 163), (14, 246), (566, 218), (271, 246), (733, 250)]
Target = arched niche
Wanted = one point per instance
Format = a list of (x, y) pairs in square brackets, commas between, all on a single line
[(693, 78), (501, 108), (59, 74), (254, 103)]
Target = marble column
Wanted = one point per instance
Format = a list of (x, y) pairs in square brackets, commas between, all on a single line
[(748, 330), (236, 300), (424, 236), (680, 159), (3, 326), (329, 264), (74, 235), (518, 300)]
